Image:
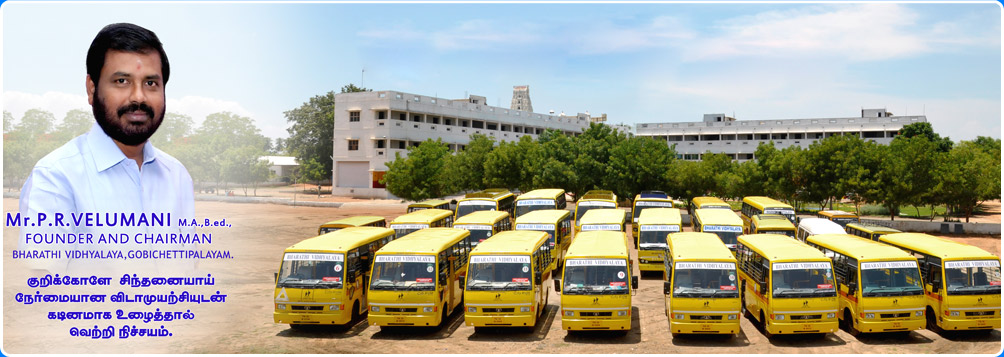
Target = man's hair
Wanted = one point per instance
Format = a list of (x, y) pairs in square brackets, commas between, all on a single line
[(127, 38)]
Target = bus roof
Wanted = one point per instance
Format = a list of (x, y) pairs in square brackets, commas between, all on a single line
[(602, 215), (936, 246), (482, 217), (429, 240), (492, 193), (341, 240), (510, 242), (698, 246), (837, 213), (423, 216), (661, 216), (779, 247), (543, 216), (713, 202), (819, 226), (545, 193), (772, 221), (598, 244), (429, 203), (718, 217), (354, 221), (762, 202), (600, 195), (653, 194), (859, 248), (652, 197), (872, 228)]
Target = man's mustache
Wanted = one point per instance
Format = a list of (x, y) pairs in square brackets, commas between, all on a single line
[(134, 107)]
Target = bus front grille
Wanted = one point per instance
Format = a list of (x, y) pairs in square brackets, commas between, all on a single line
[(806, 317), (402, 309), (498, 309), (307, 308), (980, 313), (892, 316), (596, 314), (705, 317)]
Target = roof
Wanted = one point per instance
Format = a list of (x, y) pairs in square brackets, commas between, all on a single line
[(936, 246), (872, 228), (491, 193), (781, 247), (717, 216), (543, 216), (602, 216), (652, 194), (546, 193), (598, 244), (511, 242), (698, 246), (599, 195), (773, 221), (341, 240), (858, 248), (429, 240), (423, 216), (765, 202), (837, 213), (715, 202), (280, 160), (820, 226), (355, 221), (659, 215), (429, 203), (482, 217)]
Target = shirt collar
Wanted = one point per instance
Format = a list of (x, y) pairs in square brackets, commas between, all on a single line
[(107, 154)]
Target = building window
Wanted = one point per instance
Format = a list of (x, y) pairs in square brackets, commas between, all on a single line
[(381, 115), (354, 116), (353, 145)]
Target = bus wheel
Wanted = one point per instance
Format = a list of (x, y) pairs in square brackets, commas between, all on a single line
[(355, 312), (932, 320), (298, 327), (764, 322), (445, 316), (849, 323)]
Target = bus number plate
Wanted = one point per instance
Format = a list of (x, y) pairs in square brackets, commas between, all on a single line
[(595, 323), (981, 322), (806, 327), (897, 325), (398, 319), (705, 327), (497, 319)]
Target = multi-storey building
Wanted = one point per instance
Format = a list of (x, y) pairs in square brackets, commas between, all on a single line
[(372, 127), (738, 139)]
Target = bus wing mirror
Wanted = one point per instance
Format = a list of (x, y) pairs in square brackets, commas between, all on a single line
[(667, 287), (936, 285), (851, 287), (276, 277), (463, 281), (634, 282), (557, 286), (537, 280)]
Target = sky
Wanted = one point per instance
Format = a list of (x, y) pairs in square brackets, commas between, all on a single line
[(638, 63)]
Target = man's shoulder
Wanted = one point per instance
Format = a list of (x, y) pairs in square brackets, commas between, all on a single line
[(70, 153), (170, 162)]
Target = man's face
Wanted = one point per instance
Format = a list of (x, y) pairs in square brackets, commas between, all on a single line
[(128, 99)]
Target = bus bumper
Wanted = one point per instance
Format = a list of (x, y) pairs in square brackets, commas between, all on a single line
[(520, 320), (730, 327), (656, 266), (781, 328), (426, 319), (950, 324), (614, 323), (891, 326), (295, 318)]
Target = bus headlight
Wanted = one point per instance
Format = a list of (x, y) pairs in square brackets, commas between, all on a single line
[(428, 309), (869, 316), (622, 313), (918, 313), (524, 309), (833, 314), (733, 316), (280, 306), (678, 316), (472, 309), (375, 308), (955, 313), (779, 317), (569, 313), (334, 307)]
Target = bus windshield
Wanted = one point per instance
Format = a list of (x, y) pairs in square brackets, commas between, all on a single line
[(786, 212), (311, 270), (404, 272), (596, 277), (583, 207), (642, 205), (728, 234), (809, 279), (405, 229), (705, 280), (329, 229), (467, 207), (973, 277), (786, 233), (546, 228), (527, 206), (654, 237), (890, 279), (488, 272), (844, 221)]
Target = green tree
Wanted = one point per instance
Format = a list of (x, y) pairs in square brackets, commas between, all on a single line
[(925, 129), (638, 163), (967, 176), (421, 174), (8, 122), (556, 158), (313, 171), (906, 173), (468, 166), (174, 128), (35, 123), (989, 145), (592, 155), (243, 165), (504, 166), (744, 180), (783, 172), (834, 168), (76, 123)]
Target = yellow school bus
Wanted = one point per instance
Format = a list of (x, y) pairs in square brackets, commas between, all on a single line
[(705, 202), (653, 227), (427, 204), (493, 199), (416, 279), (962, 282), (594, 199), (645, 200), (770, 223), (808, 227), (724, 223), (594, 287), (602, 219), (786, 285), (484, 224), (701, 285), (322, 280), (879, 285), (754, 205), (357, 221), (507, 280), (427, 218), (557, 223), (549, 198), (839, 217), (868, 231)]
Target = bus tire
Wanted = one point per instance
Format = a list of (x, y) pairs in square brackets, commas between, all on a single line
[(764, 322), (298, 327), (355, 312), (932, 322), (445, 316), (849, 323)]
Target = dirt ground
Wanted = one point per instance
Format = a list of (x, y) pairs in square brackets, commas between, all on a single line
[(260, 232)]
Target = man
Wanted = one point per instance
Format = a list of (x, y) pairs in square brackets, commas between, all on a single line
[(113, 170)]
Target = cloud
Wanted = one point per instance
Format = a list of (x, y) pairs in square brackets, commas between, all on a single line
[(606, 37), (464, 35), (59, 103)]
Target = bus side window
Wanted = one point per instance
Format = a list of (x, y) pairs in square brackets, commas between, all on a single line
[(352, 265), (444, 267)]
